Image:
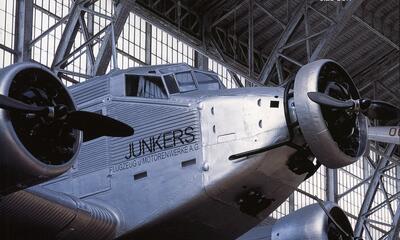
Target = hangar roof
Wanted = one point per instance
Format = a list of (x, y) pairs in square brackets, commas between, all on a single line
[(363, 36)]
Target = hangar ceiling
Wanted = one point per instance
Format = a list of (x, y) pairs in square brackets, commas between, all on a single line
[(267, 41)]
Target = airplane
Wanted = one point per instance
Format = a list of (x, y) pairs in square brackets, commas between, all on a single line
[(205, 162)]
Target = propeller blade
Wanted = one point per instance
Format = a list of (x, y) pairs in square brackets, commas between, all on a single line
[(326, 100), (11, 104), (95, 125), (382, 111)]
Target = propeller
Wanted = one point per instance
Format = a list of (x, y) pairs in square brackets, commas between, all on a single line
[(93, 125), (326, 100), (372, 109), (11, 104), (96, 125)]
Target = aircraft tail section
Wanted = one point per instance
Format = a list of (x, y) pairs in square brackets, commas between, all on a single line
[(44, 214)]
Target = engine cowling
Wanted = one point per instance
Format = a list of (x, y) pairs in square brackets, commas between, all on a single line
[(336, 137), (313, 223), (32, 151)]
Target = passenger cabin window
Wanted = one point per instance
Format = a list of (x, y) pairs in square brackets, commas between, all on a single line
[(185, 81), (145, 86), (207, 81)]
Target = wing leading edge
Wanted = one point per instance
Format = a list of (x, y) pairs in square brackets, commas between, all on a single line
[(45, 214)]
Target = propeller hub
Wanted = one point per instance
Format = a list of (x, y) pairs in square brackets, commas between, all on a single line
[(364, 104), (51, 113), (356, 106)]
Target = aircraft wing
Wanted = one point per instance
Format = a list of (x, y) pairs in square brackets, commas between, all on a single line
[(45, 213), (385, 134)]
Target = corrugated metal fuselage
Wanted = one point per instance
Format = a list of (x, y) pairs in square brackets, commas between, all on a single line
[(178, 176)]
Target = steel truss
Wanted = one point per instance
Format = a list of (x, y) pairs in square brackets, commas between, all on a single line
[(80, 19), (380, 167), (106, 37)]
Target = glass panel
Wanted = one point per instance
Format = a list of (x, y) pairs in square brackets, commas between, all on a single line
[(223, 73), (132, 40), (145, 86), (171, 84), (207, 81), (7, 31), (168, 49), (185, 81)]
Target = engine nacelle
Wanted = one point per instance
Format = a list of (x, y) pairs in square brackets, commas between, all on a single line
[(33, 151), (313, 223), (336, 137)]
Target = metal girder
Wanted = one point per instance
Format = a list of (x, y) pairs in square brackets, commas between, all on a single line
[(279, 71), (23, 27), (89, 25), (235, 7), (250, 48), (106, 50), (50, 29), (337, 25), (123, 53), (394, 233), (96, 65), (4, 47), (68, 36), (307, 33), (235, 78), (182, 17), (372, 189), (87, 35), (287, 32), (228, 60), (364, 181), (258, 20), (201, 61), (148, 43), (233, 46), (332, 185), (164, 25), (376, 32), (270, 14), (201, 45), (65, 62), (390, 91), (342, 19)]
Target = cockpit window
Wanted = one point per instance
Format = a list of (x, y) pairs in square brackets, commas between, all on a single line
[(207, 81), (185, 81), (171, 84), (145, 86)]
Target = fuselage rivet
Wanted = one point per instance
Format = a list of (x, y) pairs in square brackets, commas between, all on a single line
[(206, 167)]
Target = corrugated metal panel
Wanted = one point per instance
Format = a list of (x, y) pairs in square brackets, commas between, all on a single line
[(93, 156), (149, 120), (90, 90)]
